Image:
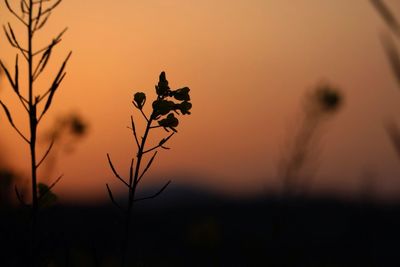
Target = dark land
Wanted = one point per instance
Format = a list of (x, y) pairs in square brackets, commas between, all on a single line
[(187, 227)]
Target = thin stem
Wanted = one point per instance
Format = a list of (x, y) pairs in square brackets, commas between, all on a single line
[(144, 115), (156, 194), (133, 180), (161, 144), (46, 154), (134, 132), (115, 172), (15, 14), (33, 131)]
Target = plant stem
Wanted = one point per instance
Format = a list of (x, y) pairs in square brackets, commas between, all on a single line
[(133, 180), (33, 128)]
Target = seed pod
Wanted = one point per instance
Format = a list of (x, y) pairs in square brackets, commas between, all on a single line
[(139, 100)]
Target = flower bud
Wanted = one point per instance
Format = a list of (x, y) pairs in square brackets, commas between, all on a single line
[(139, 100), (169, 122), (184, 107), (162, 107), (162, 88), (181, 94)]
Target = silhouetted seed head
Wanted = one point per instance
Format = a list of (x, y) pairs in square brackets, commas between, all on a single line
[(162, 89), (184, 107), (78, 126), (169, 122), (181, 94), (326, 99), (166, 104), (162, 107), (139, 100)]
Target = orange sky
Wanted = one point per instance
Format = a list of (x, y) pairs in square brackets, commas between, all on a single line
[(248, 64)]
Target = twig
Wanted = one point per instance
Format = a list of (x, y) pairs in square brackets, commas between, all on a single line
[(147, 166), (112, 197), (387, 15), (10, 120), (14, 13), (45, 154), (115, 172), (156, 194), (161, 144)]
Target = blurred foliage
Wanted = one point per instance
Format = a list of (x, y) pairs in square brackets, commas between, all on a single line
[(394, 59), (324, 101), (71, 124)]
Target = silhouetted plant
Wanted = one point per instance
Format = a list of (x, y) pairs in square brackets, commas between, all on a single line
[(318, 106), (67, 129), (165, 107), (33, 15), (394, 60)]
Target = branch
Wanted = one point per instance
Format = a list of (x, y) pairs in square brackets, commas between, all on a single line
[(144, 115), (16, 76), (60, 76), (161, 144), (54, 42), (38, 27), (10, 120), (45, 154), (43, 61), (131, 176), (49, 9), (15, 85), (387, 15), (155, 195), (112, 197), (23, 100), (24, 7), (12, 39), (147, 166), (15, 14), (394, 134), (36, 20), (393, 56), (37, 2), (115, 172), (134, 132)]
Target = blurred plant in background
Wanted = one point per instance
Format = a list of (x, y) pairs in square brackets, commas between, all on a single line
[(165, 108), (33, 15), (319, 105), (392, 54), (66, 131)]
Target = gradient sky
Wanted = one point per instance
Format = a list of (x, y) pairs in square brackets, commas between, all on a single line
[(248, 64)]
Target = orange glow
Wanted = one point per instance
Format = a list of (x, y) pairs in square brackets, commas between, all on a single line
[(248, 64)]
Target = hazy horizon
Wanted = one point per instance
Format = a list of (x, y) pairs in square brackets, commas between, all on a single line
[(248, 64)]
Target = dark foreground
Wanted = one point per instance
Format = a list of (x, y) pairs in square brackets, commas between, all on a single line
[(195, 229)]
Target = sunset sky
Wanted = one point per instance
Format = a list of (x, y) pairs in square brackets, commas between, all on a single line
[(248, 64)]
